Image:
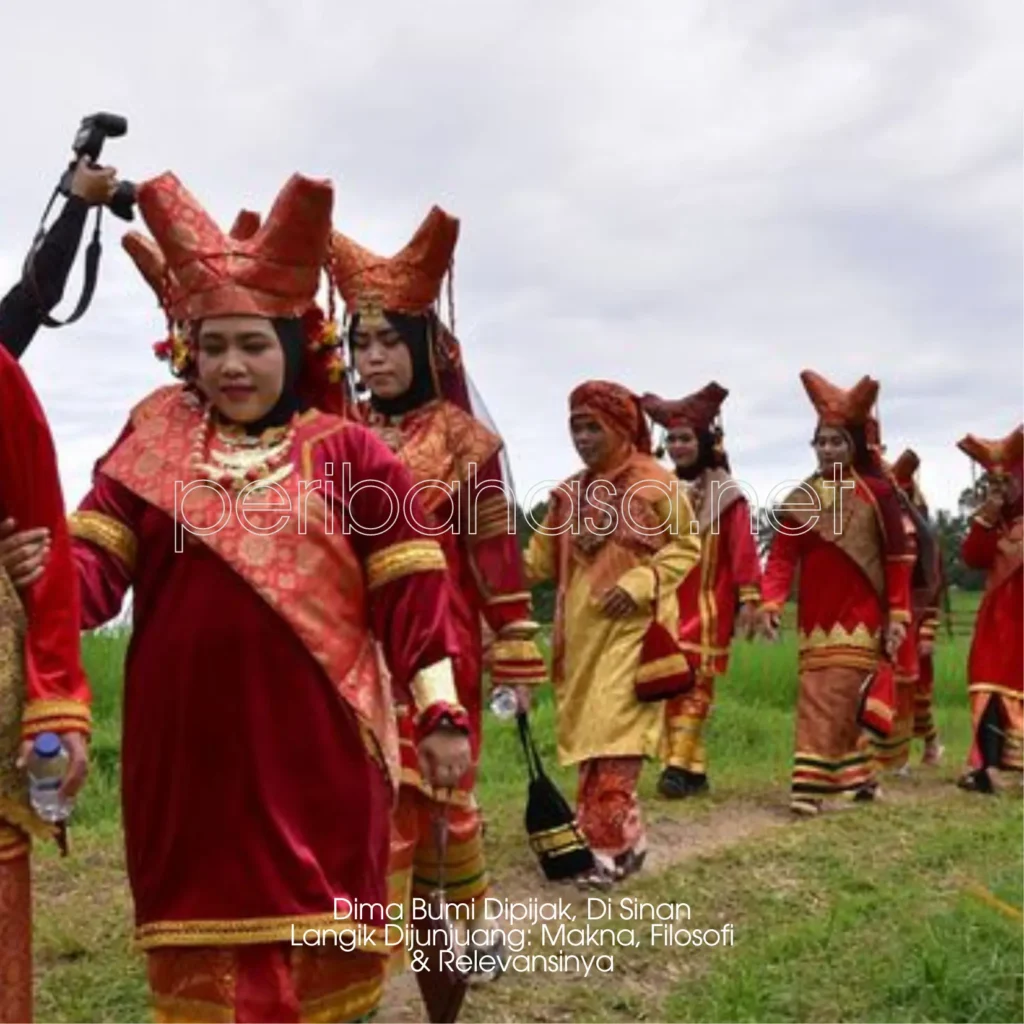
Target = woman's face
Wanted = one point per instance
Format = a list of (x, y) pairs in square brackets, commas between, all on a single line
[(832, 445), (683, 446), (240, 366), (591, 440), (382, 360)]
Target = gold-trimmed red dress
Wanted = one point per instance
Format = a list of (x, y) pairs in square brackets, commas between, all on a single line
[(42, 685), (854, 577), (729, 576), (995, 670), (893, 752), (260, 755), (440, 442)]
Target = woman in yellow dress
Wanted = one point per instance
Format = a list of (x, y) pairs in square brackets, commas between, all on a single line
[(616, 541)]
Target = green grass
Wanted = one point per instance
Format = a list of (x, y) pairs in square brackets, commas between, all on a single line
[(870, 914)]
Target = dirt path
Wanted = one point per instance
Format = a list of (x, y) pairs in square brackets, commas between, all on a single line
[(676, 834), (672, 840)]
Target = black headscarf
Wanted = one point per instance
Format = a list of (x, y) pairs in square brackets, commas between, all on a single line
[(414, 332), (708, 457)]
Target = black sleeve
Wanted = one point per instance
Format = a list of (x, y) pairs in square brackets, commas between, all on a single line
[(23, 307)]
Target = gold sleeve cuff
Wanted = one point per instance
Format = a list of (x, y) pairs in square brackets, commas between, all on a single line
[(403, 559), (433, 685), (750, 595), (107, 533), (899, 615), (492, 519), (55, 716)]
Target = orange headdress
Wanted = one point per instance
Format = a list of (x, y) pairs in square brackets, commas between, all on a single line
[(904, 468), (698, 410), (408, 282), (996, 456), (269, 269), (837, 407)]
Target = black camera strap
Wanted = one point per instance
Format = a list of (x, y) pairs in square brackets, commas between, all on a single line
[(92, 265)]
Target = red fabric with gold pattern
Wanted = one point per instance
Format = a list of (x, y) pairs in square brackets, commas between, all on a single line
[(273, 272), (273, 981), (438, 442), (407, 282), (15, 939), (995, 455), (607, 808), (728, 574), (997, 650), (697, 410), (296, 573), (837, 407), (57, 692)]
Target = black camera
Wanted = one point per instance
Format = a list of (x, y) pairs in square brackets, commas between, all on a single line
[(92, 133)]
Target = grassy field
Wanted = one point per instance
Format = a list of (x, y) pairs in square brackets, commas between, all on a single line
[(906, 910)]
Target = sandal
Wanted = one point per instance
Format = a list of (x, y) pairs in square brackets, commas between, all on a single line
[(629, 863), (595, 880), (805, 808)]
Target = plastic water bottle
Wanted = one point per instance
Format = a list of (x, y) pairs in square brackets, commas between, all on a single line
[(504, 703), (46, 766)]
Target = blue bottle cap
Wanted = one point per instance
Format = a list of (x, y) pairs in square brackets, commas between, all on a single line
[(47, 744)]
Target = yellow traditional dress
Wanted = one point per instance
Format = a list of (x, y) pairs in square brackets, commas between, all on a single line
[(647, 552)]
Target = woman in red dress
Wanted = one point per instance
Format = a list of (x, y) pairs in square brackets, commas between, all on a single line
[(42, 685), (726, 591), (259, 751), (419, 405), (995, 672), (841, 532), (927, 586)]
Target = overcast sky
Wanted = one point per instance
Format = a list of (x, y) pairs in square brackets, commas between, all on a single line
[(658, 193)]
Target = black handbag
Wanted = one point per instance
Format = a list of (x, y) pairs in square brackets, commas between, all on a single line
[(554, 836)]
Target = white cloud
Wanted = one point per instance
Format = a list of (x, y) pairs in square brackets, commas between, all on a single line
[(655, 193)]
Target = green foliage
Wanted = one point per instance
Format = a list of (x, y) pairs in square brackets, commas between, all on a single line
[(879, 913)]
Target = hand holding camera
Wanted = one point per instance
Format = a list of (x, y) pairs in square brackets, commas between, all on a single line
[(92, 133), (95, 185)]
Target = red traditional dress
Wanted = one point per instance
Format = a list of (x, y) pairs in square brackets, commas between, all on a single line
[(42, 686), (729, 577), (644, 547), (996, 668), (260, 756), (470, 510), (850, 555), (926, 591)]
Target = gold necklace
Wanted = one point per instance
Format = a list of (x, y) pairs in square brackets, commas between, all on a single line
[(241, 460)]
